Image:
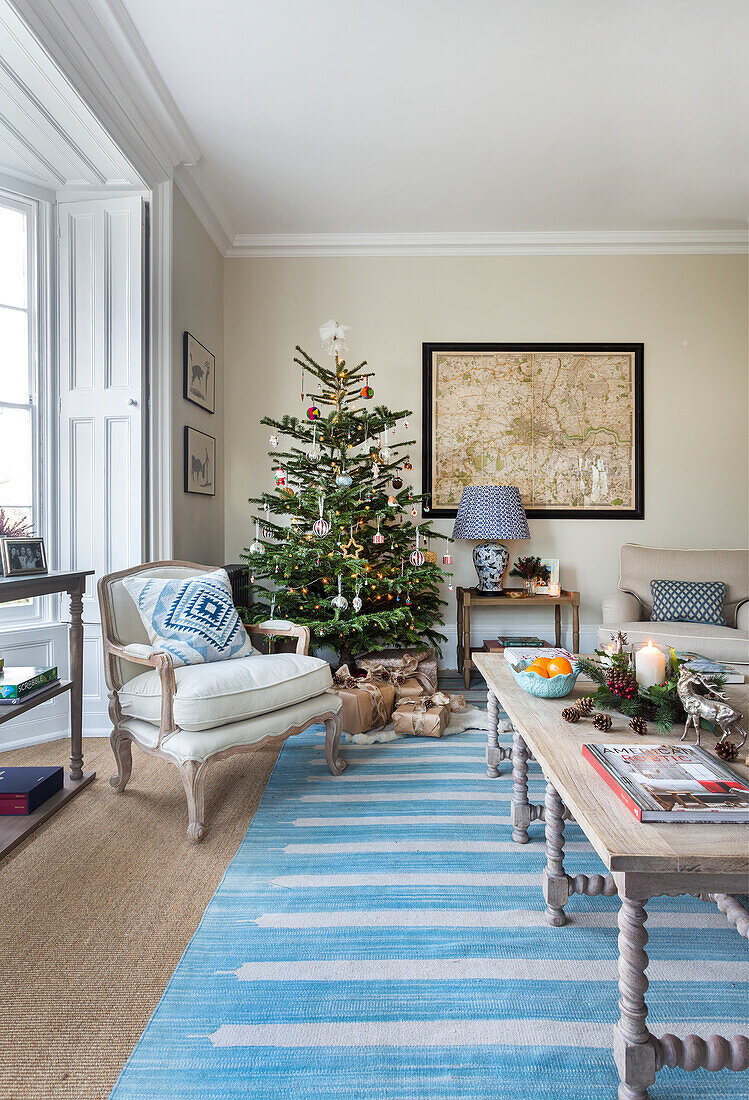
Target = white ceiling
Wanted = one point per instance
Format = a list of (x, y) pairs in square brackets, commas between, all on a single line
[(461, 116), (48, 136)]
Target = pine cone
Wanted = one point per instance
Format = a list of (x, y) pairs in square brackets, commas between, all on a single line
[(727, 750), (602, 722), (571, 714), (639, 725), (586, 704), (623, 683)]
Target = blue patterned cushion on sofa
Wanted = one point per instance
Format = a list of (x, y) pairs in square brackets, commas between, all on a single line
[(193, 618), (688, 602)]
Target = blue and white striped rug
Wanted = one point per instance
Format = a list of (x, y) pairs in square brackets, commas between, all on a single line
[(378, 936)]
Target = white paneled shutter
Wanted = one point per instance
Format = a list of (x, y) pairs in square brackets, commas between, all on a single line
[(102, 276)]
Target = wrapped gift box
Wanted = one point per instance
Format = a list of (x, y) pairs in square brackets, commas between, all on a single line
[(399, 666), (367, 703), (420, 718)]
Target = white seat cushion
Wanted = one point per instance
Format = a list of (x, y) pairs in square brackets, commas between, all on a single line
[(720, 643), (201, 744), (221, 692)]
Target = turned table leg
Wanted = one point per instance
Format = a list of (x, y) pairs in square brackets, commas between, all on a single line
[(557, 625), (576, 628), (495, 754), (634, 1051), (556, 883), (76, 690), (520, 812)]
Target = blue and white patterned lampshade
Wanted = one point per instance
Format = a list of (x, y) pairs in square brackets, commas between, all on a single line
[(491, 512)]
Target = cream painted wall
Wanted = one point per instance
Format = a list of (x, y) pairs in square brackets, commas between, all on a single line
[(690, 312), (197, 305)]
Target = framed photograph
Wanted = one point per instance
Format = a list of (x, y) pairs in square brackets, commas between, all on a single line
[(552, 566), (22, 555), (563, 422), (200, 462), (199, 377)]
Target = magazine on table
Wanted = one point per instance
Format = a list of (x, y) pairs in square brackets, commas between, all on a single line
[(708, 667), (671, 782)]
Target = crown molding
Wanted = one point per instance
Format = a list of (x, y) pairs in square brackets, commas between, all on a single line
[(515, 243)]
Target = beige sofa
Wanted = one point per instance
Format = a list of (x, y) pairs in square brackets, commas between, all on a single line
[(629, 608)]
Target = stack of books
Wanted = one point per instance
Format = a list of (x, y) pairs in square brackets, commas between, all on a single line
[(23, 790), (504, 641), (20, 684)]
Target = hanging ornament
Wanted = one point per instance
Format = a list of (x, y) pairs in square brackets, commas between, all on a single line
[(301, 386), (273, 441), (276, 569), (408, 599), (392, 502), (384, 449), (417, 558), (252, 578), (367, 392), (343, 481), (280, 476), (356, 603), (352, 545), (267, 533), (408, 464), (430, 557), (321, 525), (340, 600), (375, 471), (313, 413), (397, 481), (256, 548), (313, 454), (449, 586), (378, 538), (413, 510), (447, 558), (266, 507), (405, 425)]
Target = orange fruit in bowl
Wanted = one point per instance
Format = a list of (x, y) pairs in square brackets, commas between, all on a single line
[(559, 666), (541, 662), (538, 667)]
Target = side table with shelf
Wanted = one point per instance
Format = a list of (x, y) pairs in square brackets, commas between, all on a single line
[(471, 597), (14, 829)]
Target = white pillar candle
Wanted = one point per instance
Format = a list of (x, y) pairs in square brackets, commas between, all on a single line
[(650, 666)]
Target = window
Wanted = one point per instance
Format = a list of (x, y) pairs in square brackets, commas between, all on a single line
[(20, 444), (18, 411)]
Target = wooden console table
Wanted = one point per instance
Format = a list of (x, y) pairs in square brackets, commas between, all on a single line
[(644, 861), (14, 829), (468, 597)]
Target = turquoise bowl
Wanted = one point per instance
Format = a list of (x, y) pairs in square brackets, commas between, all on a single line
[(555, 687)]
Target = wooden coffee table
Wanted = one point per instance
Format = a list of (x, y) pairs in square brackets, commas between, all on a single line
[(644, 861)]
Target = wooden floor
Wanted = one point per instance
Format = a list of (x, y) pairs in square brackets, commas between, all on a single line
[(96, 909)]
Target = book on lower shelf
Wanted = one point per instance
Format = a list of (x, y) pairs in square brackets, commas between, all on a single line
[(23, 790), (669, 783), (17, 683), (505, 641)]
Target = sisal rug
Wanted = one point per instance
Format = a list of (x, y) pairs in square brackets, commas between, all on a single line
[(378, 936)]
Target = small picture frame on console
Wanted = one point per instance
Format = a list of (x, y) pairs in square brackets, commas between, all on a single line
[(22, 556)]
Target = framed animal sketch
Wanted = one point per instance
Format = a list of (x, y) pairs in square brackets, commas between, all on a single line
[(200, 462), (199, 374), (563, 422)]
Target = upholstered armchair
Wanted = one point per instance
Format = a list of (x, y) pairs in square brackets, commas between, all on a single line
[(192, 715)]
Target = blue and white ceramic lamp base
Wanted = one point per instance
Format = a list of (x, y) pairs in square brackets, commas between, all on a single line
[(491, 560)]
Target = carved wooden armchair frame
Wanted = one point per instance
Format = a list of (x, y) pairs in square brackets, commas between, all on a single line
[(192, 772)]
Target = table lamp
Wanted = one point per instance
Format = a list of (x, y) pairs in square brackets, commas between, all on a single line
[(491, 512)]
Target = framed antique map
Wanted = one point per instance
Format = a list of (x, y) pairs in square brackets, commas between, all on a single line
[(563, 422)]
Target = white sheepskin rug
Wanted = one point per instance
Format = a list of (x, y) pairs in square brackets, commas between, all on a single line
[(472, 718)]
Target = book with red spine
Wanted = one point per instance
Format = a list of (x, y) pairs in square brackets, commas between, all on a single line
[(23, 790), (666, 783)]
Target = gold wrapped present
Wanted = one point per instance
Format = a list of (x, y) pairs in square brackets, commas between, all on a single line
[(420, 718), (367, 703)]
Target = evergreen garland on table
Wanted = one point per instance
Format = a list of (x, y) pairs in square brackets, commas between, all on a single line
[(659, 704), (338, 538)]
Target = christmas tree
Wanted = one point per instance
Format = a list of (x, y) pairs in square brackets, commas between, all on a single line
[(339, 538)]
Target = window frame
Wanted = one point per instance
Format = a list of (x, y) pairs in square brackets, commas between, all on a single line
[(41, 386)]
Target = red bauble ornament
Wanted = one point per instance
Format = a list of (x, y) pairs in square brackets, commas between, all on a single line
[(367, 393), (417, 558)]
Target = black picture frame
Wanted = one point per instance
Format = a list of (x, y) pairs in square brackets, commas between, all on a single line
[(196, 470), (198, 377), (637, 349), (35, 556)]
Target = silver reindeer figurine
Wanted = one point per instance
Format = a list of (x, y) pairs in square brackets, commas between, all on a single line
[(714, 706)]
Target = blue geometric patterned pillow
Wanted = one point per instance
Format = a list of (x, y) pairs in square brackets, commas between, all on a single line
[(688, 602), (194, 619)]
